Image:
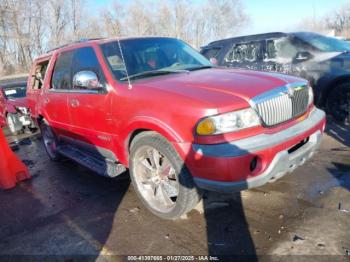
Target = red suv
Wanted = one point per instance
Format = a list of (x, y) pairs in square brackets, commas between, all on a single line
[(159, 108)]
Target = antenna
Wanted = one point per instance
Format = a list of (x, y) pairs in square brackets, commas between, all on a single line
[(126, 69)]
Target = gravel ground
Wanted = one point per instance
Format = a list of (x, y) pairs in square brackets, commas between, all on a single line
[(66, 209)]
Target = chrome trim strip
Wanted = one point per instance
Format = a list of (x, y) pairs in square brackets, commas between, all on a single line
[(70, 91), (274, 92), (281, 104), (259, 142)]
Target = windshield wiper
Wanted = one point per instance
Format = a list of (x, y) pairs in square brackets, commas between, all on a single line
[(199, 68), (153, 73)]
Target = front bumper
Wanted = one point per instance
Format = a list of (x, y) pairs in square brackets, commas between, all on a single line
[(226, 167)]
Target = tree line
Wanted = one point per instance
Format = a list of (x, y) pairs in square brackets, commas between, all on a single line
[(29, 28)]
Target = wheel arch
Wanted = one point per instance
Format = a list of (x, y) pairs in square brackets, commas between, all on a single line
[(331, 86), (145, 125)]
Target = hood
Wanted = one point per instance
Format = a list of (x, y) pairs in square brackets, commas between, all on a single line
[(220, 85)]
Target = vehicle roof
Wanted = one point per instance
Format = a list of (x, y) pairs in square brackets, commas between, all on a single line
[(257, 37), (13, 80), (91, 42), (249, 38)]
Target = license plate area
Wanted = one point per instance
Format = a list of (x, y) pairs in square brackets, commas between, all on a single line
[(298, 146)]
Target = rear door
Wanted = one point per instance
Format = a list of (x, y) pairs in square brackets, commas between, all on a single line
[(36, 84), (55, 97), (90, 110)]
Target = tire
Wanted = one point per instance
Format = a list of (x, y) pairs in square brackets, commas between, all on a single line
[(13, 124), (50, 141), (171, 181), (338, 103)]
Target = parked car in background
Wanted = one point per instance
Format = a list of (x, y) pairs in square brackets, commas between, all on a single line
[(324, 61), (158, 107), (14, 112)]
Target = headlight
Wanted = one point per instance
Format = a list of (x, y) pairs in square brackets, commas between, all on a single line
[(228, 122), (311, 96)]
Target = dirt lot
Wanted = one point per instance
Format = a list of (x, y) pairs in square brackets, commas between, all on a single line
[(66, 209)]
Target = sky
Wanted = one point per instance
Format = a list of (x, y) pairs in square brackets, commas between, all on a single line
[(269, 15), (283, 15)]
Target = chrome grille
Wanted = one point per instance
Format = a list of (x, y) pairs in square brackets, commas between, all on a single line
[(282, 104)]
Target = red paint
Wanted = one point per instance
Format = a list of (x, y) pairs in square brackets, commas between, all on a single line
[(2, 110), (9, 106)]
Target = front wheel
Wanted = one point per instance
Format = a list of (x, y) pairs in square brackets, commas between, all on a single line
[(160, 177), (338, 103)]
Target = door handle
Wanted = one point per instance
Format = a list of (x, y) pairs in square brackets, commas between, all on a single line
[(46, 101), (74, 103)]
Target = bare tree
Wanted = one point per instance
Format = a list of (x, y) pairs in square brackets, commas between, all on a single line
[(339, 21), (29, 28)]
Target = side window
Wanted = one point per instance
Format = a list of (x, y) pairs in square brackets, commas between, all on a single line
[(85, 59), (62, 77), (285, 49), (245, 52), (39, 75)]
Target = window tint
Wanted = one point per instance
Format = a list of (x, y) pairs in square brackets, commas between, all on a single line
[(323, 43), (85, 59), (151, 54), (245, 52), (211, 52), (62, 78)]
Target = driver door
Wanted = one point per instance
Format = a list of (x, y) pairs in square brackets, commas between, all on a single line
[(90, 110)]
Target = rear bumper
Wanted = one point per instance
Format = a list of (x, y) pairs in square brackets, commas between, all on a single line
[(227, 167)]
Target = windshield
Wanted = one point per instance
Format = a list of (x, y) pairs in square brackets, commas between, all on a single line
[(14, 92), (145, 57), (324, 43)]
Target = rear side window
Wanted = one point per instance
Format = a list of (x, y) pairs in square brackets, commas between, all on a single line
[(211, 52), (62, 77), (245, 52), (85, 59), (39, 75)]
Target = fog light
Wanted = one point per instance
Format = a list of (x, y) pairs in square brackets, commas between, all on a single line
[(253, 163)]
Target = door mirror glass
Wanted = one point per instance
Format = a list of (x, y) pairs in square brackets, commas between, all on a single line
[(86, 80), (214, 61)]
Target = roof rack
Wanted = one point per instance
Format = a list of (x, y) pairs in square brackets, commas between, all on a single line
[(81, 40)]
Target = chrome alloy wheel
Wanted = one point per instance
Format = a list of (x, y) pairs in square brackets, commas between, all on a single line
[(156, 179)]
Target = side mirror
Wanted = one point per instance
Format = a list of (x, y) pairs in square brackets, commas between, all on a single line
[(214, 61), (86, 80), (302, 56)]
